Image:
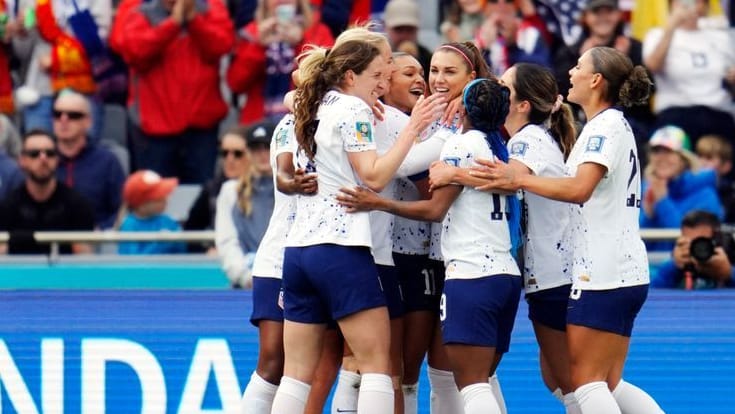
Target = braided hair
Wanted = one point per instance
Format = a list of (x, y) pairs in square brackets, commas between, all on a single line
[(487, 103)]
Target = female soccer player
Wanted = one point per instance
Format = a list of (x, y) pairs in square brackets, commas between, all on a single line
[(481, 292), (542, 135), (329, 272), (610, 276)]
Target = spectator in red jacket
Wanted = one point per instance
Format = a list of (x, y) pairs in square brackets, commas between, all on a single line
[(265, 54), (173, 48)]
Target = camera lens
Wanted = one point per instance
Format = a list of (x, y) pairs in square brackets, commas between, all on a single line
[(702, 248)]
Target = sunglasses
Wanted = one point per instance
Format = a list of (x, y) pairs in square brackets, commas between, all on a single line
[(36, 153), (236, 153), (73, 115)]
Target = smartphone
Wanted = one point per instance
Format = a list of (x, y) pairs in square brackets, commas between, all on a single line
[(285, 13)]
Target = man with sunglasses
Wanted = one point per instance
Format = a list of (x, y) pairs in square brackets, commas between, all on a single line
[(42, 203), (92, 170)]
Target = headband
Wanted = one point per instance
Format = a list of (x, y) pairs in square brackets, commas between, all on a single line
[(463, 54), (467, 89)]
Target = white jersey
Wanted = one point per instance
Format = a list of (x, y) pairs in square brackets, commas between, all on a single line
[(269, 257), (409, 236), (609, 252), (381, 223), (475, 235), (346, 124), (548, 255), (695, 65)]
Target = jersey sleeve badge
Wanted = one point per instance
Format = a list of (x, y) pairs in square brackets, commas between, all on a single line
[(518, 149), (595, 143), (364, 132)]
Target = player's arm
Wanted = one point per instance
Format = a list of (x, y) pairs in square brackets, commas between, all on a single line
[(442, 174), (292, 180), (434, 209)]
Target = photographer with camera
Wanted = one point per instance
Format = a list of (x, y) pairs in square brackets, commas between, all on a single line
[(701, 258)]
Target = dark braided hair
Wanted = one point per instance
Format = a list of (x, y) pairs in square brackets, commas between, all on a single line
[(487, 103)]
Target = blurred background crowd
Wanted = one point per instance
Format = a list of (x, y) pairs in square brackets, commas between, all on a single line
[(130, 103)]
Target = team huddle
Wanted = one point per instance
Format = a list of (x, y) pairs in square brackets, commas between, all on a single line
[(407, 225)]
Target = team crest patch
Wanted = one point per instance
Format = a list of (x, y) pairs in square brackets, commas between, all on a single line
[(595, 143), (453, 161), (364, 132), (518, 148)]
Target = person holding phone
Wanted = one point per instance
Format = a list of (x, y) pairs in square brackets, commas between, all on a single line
[(265, 55)]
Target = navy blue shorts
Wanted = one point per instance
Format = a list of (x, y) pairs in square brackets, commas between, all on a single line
[(329, 281), (480, 312), (420, 284), (612, 310), (267, 300), (392, 289), (549, 307)]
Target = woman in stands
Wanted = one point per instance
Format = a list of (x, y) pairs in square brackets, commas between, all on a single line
[(542, 135), (329, 273), (610, 276), (481, 292)]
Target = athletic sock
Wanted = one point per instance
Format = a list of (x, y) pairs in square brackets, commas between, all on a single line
[(498, 393), (596, 398), (410, 398), (290, 397), (445, 397), (479, 399), (376, 394), (258, 396), (633, 400), (346, 393)]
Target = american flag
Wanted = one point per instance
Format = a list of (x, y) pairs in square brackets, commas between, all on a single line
[(562, 17)]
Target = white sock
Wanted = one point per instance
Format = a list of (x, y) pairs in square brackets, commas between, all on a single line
[(258, 396), (570, 404), (345, 395), (559, 395), (633, 400), (376, 394), (290, 397), (445, 397), (498, 393), (479, 399), (410, 398), (596, 398)]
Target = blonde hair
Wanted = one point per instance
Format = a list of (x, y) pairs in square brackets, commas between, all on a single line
[(244, 188), (362, 33), (303, 9)]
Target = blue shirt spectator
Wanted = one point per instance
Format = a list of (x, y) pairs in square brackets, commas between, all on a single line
[(160, 222), (10, 175)]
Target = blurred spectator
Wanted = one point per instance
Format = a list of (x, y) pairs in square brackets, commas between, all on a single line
[(513, 33), (402, 23), (654, 13), (237, 149), (603, 25), (10, 175), (60, 60), (93, 171), (338, 15), (715, 152), (145, 194), (265, 55), (173, 48), (701, 256), (692, 67), (9, 137), (42, 203), (244, 208), (462, 20), (670, 187)]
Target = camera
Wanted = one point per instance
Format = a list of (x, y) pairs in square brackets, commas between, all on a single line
[(702, 248)]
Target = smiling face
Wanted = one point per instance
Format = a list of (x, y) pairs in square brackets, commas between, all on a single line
[(581, 77), (370, 84), (666, 163), (406, 83), (449, 74)]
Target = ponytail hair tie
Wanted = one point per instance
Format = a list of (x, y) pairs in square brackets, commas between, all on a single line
[(557, 105)]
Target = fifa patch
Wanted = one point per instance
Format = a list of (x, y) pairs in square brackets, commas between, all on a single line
[(364, 132), (518, 148), (595, 143), (453, 161), (282, 138)]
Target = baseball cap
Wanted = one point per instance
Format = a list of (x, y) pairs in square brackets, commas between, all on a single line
[(259, 133), (146, 185), (675, 139), (401, 13), (594, 4)]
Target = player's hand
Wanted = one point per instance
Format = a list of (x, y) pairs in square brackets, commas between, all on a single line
[(440, 174), (305, 183), (499, 175), (454, 108), (358, 199), (426, 111)]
